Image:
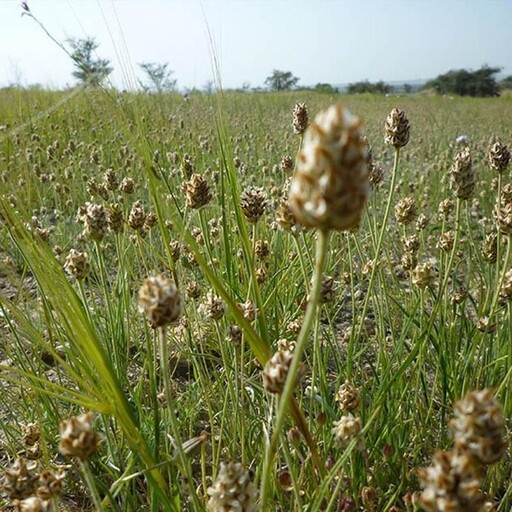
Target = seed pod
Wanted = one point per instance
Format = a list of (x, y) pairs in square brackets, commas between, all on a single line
[(330, 186), (232, 490), (397, 129), (160, 300)]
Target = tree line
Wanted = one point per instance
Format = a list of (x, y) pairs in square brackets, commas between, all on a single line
[(93, 71)]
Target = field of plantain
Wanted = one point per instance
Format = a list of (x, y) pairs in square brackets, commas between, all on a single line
[(205, 305)]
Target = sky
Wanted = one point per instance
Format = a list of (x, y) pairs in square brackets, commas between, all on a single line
[(332, 41)]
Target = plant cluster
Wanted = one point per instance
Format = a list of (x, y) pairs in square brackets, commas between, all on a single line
[(255, 302)]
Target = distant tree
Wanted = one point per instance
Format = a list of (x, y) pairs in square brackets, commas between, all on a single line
[(467, 83), (159, 77), (325, 88), (90, 70), (506, 83), (281, 80), (407, 88), (366, 86)]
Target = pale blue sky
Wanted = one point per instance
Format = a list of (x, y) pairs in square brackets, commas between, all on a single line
[(335, 41)]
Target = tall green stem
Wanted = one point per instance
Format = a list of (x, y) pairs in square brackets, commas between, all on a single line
[(164, 368), (291, 379), (376, 258)]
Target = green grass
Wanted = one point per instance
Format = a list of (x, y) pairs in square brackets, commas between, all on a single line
[(72, 346)]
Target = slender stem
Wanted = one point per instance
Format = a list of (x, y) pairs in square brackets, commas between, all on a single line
[(164, 368), (91, 483), (291, 379), (376, 258)]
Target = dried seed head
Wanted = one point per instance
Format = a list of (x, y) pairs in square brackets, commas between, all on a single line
[(498, 156), (262, 249), (32, 504), (503, 210), (452, 483), (150, 221), (463, 176), (397, 129), (478, 427), (193, 290), (275, 371), (77, 436), (232, 490), (31, 434), (286, 163), (446, 241), (409, 260), (490, 248), (405, 210), (20, 480), (110, 179), (423, 274), (284, 214), (506, 287), (160, 300), (127, 186), (248, 309), (300, 118), (197, 191), (50, 484), (94, 217), (286, 345), (346, 429), (330, 186), (234, 334), (412, 244), (115, 218), (253, 202), (327, 293), (212, 307), (348, 397), (137, 216), (376, 175), (77, 264), (445, 208)]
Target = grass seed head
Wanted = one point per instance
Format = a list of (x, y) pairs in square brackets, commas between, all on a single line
[(300, 118), (213, 306), (275, 371), (452, 483), (77, 264), (232, 490), (137, 216), (115, 218), (253, 202), (478, 427), (498, 156), (397, 129), (94, 217), (20, 480), (463, 176), (348, 397), (330, 186), (77, 436), (197, 191), (346, 429), (160, 300), (405, 210), (33, 504)]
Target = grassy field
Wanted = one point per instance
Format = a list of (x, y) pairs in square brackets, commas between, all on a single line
[(102, 190)]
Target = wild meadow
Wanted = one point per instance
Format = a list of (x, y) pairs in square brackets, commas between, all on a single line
[(187, 324)]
